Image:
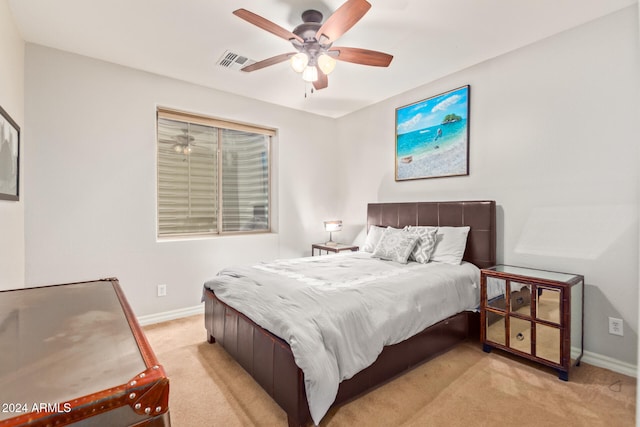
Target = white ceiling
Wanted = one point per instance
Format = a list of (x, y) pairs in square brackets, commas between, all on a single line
[(184, 39)]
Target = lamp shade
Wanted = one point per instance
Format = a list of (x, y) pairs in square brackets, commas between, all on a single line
[(335, 225), (299, 62), (310, 74), (326, 63)]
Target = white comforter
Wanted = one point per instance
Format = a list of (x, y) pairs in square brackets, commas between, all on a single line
[(337, 311)]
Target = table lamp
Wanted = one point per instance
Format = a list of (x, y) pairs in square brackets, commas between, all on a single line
[(331, 226)]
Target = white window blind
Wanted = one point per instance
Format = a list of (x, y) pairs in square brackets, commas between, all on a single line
[(213, 176)]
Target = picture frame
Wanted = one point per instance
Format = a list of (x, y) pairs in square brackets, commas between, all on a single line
[(9, 157), (432, 137)]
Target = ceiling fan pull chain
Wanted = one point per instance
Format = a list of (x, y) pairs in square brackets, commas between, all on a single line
[(306, 85)]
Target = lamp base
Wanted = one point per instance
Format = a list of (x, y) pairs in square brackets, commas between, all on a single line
[(330, 242)]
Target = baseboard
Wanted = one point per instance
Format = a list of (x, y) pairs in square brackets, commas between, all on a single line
[(170, 315), (610, 363)]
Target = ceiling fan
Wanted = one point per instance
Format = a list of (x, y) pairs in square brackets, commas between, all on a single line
[(316, 56)]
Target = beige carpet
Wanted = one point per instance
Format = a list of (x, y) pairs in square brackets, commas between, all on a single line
[(464, 387)]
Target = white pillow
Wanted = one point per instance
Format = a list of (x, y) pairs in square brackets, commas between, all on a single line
[(450, 245), (395, 245), (426, 243), (375, 233)]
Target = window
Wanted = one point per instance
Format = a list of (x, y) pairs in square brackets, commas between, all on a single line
[(213, 176)]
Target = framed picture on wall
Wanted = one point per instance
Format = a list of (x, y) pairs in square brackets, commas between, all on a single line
[(9, 157), (432, 137)]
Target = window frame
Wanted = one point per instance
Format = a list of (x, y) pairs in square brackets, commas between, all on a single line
[(219, 125)]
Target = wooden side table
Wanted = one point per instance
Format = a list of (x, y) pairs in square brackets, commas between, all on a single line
[(337, 247)]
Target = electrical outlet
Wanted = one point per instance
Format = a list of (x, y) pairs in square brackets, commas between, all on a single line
[(616, 326), (162, 290)]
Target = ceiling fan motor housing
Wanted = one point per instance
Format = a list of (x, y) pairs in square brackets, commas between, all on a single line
[(312, 21)]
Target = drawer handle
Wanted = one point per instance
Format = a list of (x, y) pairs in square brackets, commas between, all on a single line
[(520, 337), (520, 300)]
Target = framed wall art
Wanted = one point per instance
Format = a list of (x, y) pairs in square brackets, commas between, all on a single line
[(9, 157), (432, 137)]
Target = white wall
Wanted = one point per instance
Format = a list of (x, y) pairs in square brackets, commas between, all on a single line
[(554, 140), (12, 246), (91, 164)]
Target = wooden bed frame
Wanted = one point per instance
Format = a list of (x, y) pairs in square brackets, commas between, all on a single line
[(269, 359)]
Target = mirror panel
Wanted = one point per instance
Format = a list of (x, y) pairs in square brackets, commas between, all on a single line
[(520, 298), (520, 335), (496, 327), (548, 307), (576, 321), (548, 343), (496, 292)]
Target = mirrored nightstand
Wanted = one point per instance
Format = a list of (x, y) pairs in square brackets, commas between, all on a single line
[(535, 314)]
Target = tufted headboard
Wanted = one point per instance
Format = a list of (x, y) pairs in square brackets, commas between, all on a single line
[(479, 215)]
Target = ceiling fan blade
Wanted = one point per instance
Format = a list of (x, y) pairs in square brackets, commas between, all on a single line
[(266, 25), (322, 82), (361, 56), (267, 62), (342, 20)]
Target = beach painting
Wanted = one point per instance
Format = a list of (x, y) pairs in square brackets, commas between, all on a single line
[(432, 137)]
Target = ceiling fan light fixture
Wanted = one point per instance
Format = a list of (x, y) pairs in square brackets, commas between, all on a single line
[(326, 63), (299, 62), (310, 74), (182, 148)]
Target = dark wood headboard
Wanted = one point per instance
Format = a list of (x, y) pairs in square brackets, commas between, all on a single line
[(479, 215)]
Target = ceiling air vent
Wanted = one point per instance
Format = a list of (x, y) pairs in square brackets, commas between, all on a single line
[(234, 61)]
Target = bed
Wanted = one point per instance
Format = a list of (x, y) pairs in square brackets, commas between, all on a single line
[(270, 359)]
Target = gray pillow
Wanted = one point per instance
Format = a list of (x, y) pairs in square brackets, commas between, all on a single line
[(426, 243), (395, 245)]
